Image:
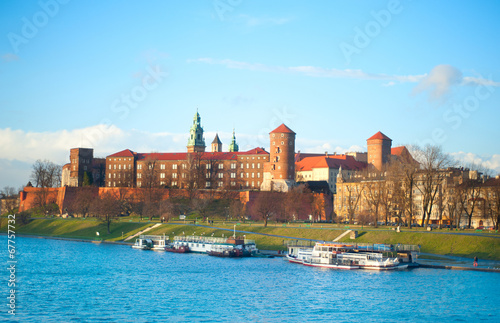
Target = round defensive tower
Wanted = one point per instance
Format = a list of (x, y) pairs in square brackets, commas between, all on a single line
[(282, 156), (379, 149)]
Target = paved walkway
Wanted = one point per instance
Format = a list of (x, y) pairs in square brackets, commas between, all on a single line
[(142, 232)]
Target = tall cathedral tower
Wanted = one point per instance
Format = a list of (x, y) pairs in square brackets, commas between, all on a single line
[(196, 142), (233, 146)]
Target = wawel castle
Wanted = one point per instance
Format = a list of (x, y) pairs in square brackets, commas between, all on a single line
[(256, 169)]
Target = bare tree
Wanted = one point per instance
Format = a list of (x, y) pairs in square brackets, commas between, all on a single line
[(46, 174), (82, 203), (471, 188), (433, 161), (265, 205), (374, 187), (351, 198), (107, 208), (493, 201)]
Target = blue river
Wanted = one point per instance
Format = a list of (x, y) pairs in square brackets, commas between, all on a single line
[(67, 281)]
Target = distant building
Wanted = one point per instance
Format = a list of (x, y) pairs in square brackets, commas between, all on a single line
[(83, 166)]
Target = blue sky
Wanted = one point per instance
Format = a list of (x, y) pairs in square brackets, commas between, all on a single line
[(130, 74)]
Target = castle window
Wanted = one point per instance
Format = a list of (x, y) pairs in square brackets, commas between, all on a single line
[(119, 166), (174, 166), (258, 175), (233, 165), (221, 166), (109, 167), (220, 184), (242, 175), (241, 165), (258, 183), (207, 184), (233, 183), (139, 175), (273, 137), (282, 142), (248, 165), (207, 175), (183, 166), (282, 135), (109, 175), (162, 166), (253, 165), (114, 175), (139, 184), (247, 175), (174, 183), (139, 166), (209, 166), (233, 175), (258, 165), (183, 175), (253, 175), (220, 175), (274, 143), (162, 175), (114, 166), (174, 175)]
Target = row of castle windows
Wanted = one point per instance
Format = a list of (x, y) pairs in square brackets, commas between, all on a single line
[(207, 184)]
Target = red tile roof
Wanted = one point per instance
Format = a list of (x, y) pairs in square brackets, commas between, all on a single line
[(333, 161), (282, 129), (123, 153), (379, 135), (183, 156), (397, 151)]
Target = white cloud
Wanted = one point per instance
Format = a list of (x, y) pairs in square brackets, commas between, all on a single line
[(439, 81), (310, 71), (491, 162)]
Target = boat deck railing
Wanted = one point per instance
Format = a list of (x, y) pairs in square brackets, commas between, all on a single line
[(153, 237), (200, 239), (361, 246)]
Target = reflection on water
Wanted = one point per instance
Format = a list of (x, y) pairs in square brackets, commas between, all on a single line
[(74, 281)]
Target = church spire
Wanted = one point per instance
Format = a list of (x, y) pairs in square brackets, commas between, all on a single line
[(233, 146), (196, 142)]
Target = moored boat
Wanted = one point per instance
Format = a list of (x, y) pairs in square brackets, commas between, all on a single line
[(177, 249), (325, 255), (201, 244), (143, 244)]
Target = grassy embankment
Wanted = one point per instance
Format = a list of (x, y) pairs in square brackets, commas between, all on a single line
[(483, 246)]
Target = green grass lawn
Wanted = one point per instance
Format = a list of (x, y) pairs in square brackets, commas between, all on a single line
[(484, 246)]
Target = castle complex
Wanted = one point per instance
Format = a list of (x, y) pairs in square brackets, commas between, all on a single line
[(355, 183), (255, 169)]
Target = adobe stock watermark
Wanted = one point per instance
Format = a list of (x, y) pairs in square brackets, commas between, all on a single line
[(31, 26), (364, 36), (128, 101), (454, 117), (224, 6)]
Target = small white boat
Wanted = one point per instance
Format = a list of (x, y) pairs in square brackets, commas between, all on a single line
[(143, 244)]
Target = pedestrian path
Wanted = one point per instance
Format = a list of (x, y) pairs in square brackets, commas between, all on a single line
[(342, 235), (142, 232)]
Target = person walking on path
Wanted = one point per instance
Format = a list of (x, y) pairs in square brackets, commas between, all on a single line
[(475, 261)]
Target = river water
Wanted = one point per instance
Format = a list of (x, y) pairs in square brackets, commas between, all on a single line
[(66, 281)]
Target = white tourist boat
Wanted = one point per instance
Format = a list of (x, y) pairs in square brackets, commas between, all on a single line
[(372, 261), (201, 244), (151, 242), (325, 255), (143, 244)]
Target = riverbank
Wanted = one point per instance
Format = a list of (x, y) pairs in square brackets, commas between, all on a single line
[(468, 245)]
